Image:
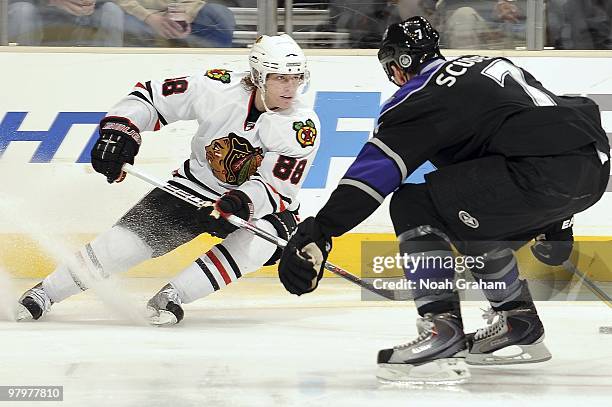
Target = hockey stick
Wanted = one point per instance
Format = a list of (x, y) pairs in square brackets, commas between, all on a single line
[(166, 187), (241, 223), (282, 243), (569, 266)]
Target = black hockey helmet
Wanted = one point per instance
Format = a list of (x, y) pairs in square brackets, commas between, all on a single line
[(408, 45)]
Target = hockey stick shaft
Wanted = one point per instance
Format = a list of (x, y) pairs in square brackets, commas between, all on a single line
[(241, 223), (282, 243), (171, 189), (589, 283)]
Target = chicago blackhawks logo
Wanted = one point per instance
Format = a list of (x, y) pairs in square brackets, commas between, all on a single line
[(233, 159), (221, 75), (306, 133)]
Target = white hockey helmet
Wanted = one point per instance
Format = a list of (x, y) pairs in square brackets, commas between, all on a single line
[(278, 54)]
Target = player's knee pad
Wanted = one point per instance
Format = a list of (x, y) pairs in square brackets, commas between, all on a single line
[(422, 237), (117, 250), (428, 244), (249, 252), (284, 223)]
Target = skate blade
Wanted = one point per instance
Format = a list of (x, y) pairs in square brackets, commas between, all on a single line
[(22, 314), (512, 355), (449, 371), (161, 317)]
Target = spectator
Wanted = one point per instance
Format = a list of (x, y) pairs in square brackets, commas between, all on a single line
[(65, 22), (582, 24), (365, 21), (482, 24), (411, 8), (193, 23)]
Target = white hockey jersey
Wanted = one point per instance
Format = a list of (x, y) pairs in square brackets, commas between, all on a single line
[(267, 159)]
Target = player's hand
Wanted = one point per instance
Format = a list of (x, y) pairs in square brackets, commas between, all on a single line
[(236, 203), (166, 27), (117, 144), (553, 248), (301, 264)]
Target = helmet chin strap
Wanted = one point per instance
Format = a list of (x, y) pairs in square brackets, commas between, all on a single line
[(262, 96)]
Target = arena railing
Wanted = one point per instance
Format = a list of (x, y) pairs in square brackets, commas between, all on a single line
[(3, 22)]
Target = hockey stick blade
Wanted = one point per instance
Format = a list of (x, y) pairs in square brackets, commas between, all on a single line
[(241, 223)]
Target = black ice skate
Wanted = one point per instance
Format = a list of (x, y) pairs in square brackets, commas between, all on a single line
[(33, 304), (436, 356), (511, 337), (165, 307)]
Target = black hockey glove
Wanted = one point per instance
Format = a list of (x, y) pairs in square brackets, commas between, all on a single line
[(118, 144), (234, 202), (301, 265), (555, 246)]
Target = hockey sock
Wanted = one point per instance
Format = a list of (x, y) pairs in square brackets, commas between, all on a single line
[(240, 253), (501, 267), (113, 251), (431, 271), (209, 273)]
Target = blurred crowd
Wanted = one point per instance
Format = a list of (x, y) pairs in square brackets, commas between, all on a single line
[(482, 24), (117, 23), (469, 24)]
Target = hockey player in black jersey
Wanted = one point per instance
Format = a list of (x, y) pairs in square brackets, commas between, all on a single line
[(514, 162)]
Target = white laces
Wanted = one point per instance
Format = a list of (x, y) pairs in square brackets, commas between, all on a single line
[(496, 321), (425, 326)]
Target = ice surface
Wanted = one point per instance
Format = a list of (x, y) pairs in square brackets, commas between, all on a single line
[(252, 344)]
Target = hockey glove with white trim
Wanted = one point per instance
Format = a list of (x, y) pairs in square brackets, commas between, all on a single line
[(301, 264), (118, 144), (236, 203), (555, 246)]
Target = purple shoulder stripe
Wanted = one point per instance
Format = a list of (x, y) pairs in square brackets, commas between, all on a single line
[(417, 83)]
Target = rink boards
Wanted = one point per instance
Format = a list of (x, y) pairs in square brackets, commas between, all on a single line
[(52, 100)]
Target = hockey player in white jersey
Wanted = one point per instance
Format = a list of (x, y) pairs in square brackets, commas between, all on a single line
[(250, 155)]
